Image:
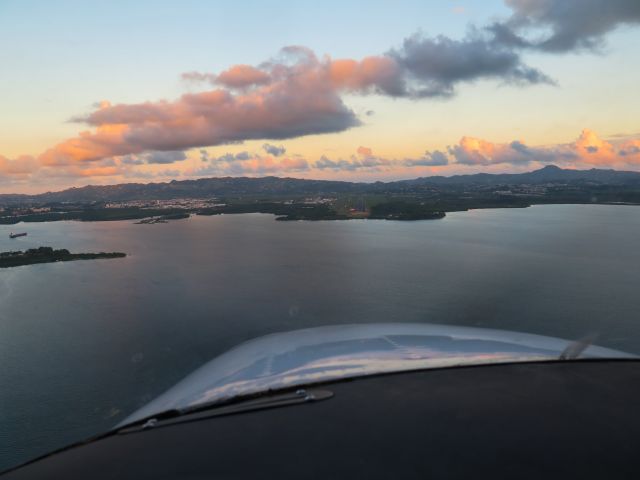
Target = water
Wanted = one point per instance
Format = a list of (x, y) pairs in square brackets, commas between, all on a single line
[(83, 344)]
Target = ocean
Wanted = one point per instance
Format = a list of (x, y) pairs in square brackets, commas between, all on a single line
[(83, 344)]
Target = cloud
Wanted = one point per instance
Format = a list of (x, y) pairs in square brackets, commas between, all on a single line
[(132, 160), (364, 151), (106, 168), (254, 163), (169, 173), (632, 148), (430, 159), (228, 164), (587, 150), (106, 141), (231, 157), (424, 67), (242, 76), (432, 67), (274, 150), (593, 150), (165, 157), (296, 93), (366, 160), (199, 77), (564, 25), (293, 95), (236, 77), (299, 100), (20, 166), (476, 151), (325, 163), (370, 163), (97, 171), (378, 74), (154, 157)]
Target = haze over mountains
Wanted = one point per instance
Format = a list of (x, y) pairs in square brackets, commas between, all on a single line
[(211, 187)]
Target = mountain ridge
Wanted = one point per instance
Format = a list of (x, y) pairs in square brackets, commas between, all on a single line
[(272, 185)]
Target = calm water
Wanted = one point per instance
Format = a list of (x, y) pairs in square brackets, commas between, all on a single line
[(83, 344)]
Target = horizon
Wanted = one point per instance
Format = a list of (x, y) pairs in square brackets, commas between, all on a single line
[(545, 167), (430, 89)]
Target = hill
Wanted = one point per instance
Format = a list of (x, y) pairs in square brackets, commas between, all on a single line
[(276, 186)]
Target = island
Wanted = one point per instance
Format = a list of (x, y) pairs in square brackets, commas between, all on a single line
[(49, 255), (163, 218)]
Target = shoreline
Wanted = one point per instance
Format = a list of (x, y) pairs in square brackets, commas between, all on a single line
[(280, 214), (40, 255)]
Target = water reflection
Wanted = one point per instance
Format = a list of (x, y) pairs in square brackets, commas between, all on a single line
[(192, 289)]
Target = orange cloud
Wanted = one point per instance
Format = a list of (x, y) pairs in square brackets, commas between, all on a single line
[(77, 158), (108, 140), (593, 150), (23, 165), (244, 163), (475, 151), (296, 94), (587, 149), (381, 74), (100, 171), (364, 151), (277, 101), (284, 101), (241, 76)]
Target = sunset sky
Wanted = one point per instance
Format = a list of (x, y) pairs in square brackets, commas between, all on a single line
[(121, 91)]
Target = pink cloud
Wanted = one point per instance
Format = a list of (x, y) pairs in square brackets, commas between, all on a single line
[(238, 76), (298, 100), (107, 140), (293, 95), (297, 96), (364, 151), (242, 76), (587, 149), (23, 165), (592, 149), (377, 74), (199, 77), (230, 164)]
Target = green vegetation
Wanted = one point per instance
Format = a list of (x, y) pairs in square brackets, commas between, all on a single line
[(49, 255), (400, 210), (94, 214), (296, 199), (283, 211), (352, 204), (163, 218)]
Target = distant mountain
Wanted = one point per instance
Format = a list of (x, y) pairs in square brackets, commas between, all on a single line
[(274, 186), (548, 174), (201, 188)]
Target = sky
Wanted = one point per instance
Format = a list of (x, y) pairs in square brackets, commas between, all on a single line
[(149, 91)]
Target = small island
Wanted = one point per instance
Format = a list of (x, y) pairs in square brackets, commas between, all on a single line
[(49, 255), (163, 218)]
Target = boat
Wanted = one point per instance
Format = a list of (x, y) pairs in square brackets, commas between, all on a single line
[(16, 235)]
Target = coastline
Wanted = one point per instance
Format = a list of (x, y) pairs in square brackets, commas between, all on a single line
[(49, 255)]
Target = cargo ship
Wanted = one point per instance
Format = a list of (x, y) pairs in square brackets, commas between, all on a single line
[(16, 235)]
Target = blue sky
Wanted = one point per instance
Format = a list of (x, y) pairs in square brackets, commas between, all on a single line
[(60, 58)]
